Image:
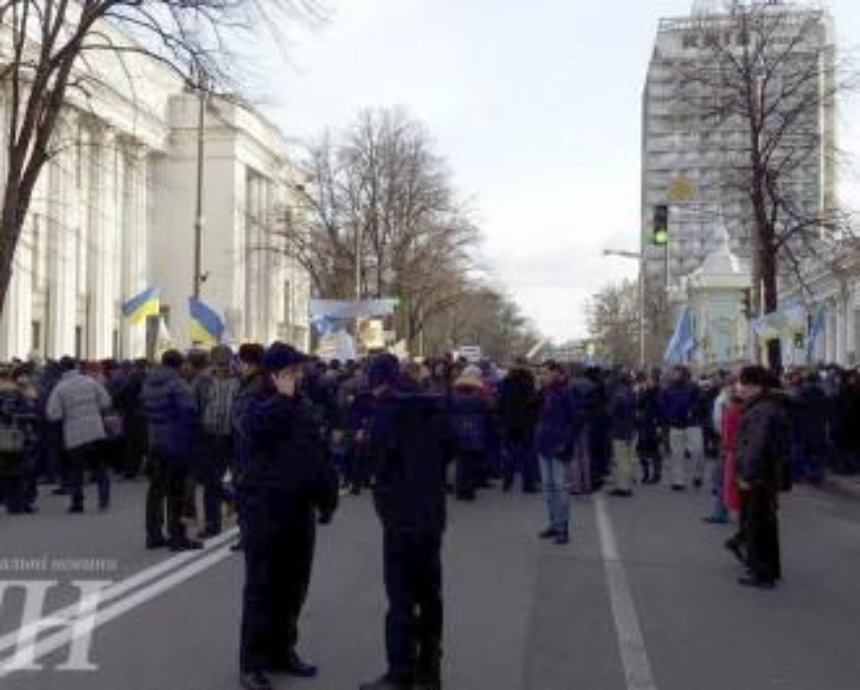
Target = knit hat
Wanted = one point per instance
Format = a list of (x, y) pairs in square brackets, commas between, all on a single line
[(281, 356), (384, 370)]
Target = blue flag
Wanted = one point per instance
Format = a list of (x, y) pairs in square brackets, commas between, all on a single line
[(206, 326), (145, 304)]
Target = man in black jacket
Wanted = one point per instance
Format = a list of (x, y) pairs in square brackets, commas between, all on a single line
[(762, 460), (410, 443), (518, 412), (288, 481)]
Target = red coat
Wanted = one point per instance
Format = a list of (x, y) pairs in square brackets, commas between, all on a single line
[(731, 427)]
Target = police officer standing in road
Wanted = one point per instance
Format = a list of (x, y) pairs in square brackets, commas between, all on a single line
[(410, 445), (289, 481)]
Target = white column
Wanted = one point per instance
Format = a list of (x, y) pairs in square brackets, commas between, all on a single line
[(830, 334), (103, 255), (135, 246), (61, 243)]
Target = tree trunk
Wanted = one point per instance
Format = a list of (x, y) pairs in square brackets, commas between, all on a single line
[(770, 299), (11, 222)]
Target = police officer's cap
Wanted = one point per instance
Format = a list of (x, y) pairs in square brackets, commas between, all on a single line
[(280, 356)]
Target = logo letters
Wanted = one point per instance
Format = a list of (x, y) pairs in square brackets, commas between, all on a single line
[(77, 622)]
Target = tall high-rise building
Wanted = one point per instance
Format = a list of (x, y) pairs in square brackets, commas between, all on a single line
[(695, 141)]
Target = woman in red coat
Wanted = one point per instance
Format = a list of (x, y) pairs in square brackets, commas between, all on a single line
[(732, 417), (731, 426)]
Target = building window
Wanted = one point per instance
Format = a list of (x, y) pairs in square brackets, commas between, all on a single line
[(115, 344), (691, 39), (36, 336), (79, 342)]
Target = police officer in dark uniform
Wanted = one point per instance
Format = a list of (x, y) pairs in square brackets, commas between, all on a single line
[(289, 482), (410, 444)]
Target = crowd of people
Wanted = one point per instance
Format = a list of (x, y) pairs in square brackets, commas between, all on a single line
[(278, 438)]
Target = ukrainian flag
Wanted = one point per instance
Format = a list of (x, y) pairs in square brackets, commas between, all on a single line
[(147, 303), (206, 326)]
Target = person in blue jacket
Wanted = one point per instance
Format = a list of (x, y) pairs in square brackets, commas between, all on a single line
[(470, 411), (678, 402), (173, 420), (559, 423)]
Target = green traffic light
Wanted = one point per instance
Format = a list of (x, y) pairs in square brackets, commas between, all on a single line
[(661, 237)]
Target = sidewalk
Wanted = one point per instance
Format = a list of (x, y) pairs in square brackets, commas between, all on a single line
[(847, 485)]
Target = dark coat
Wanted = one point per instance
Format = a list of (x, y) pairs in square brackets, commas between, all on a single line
[(763, 452), (648, 421), (250, 387), (678, 403), (810, 420), (518, 405), (288, 453), (471, 421), (560, 422), (172, 414), (410, 444), (622, 414)]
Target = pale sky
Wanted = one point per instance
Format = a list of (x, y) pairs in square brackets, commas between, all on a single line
[(536, 105)]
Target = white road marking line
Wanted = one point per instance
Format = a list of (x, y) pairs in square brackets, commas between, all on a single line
[(122, 587), (138, 598), (631, 644)]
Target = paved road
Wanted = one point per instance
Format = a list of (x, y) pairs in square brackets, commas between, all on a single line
[(643, 598)]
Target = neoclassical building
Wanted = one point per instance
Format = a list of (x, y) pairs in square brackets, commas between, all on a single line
[(830, 298), (114, 214)]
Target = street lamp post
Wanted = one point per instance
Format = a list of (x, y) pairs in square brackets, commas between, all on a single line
[(198, 211), (640, 257)]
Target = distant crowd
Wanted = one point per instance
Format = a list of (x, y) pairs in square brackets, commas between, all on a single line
[(47, 441)]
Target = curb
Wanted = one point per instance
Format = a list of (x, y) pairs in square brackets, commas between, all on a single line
[(846, 486)]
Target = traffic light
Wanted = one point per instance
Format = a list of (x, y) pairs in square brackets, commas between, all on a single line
[(660, 230)]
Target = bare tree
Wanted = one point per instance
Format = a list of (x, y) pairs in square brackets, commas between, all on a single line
[(613, 323), (482, 316), (380, 218), (767, 73), (49, 50)]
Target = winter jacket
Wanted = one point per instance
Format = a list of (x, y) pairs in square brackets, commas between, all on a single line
[(622, 414), (78, 401), (678, 402), (648, 421), (215, 394), (518, 405), (172, 414), (560, 422), (18, 427), (763, 451), (470, 417), (250, 387), (287, 452), (410, 443), (810, 413), (731, 424)]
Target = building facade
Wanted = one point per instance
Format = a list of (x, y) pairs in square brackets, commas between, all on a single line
[(114, 214), (830, 301), (249, 190), (695, 151)]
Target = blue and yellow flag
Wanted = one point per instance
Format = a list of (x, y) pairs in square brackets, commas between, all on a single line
[(206, 326), (147, 303)]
